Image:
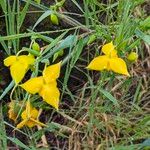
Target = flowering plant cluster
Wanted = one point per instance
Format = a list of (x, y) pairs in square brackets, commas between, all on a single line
[(45, 85)]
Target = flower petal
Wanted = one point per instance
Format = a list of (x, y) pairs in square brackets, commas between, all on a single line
[(36, 122), (99, 63), (9, 60), (118, 65), (26, 59), (14, 108), (34, 113), (22, 123), (50, 94), (29, 112), (12, 115), (52, 72), (29, 117), (25, 114), (33, 85), (109, 50), (30, 123), (18, 71)]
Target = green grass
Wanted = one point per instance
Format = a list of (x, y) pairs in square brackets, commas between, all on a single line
[(97, 110)]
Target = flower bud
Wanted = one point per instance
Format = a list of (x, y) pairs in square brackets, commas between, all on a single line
[(133, 56), (54, 19), (38, 1), (35, 46)]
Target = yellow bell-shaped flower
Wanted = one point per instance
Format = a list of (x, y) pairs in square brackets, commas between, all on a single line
[(29, 117), (46, 85), (19, 65), (14, 108), (109, 61)]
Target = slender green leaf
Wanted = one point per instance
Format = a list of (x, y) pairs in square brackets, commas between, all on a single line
[(143, 36), (109, 96), (18, 142), (46, 14), (7, 89)]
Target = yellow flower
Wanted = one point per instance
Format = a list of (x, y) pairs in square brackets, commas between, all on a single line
[(46, 85), (29, 117), (109, 61), (14, 108), (19, 65)]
